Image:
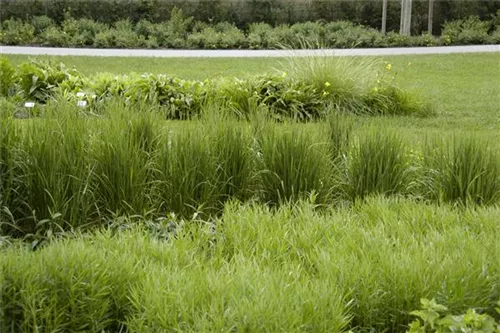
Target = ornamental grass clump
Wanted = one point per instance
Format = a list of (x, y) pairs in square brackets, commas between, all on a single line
[(234, 159), (293, 164), (11, 173), (122, 179), (357, 85), (377, 164), (49, 182), (464, 170), (188, 173)]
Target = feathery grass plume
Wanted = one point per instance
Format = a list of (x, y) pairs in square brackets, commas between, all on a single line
[(463, 170), (377, 164), (357, 85), (339, 80), (293, 164)]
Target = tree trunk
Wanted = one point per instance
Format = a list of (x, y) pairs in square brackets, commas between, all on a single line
[(430, 17), (405, 17), (402, 21), (384, 16)]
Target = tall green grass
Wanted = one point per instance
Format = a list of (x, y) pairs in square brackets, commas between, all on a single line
[(377, 164), (190, 172), (122, 180), (464, 170), (11, 186), (294, 164), (71, 169), (293, 268)]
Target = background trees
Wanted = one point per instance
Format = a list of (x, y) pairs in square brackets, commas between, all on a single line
[(417, 16)]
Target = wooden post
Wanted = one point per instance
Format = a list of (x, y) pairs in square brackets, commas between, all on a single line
[(384, 16)]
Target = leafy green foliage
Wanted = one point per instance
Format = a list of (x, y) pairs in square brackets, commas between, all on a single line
[(183, 31), (42, 23), (53, 36), (433, 318), (17, 32), (284, 98), (181, 99), (221, 36), (39, 81), (467, 31), (335, 86)]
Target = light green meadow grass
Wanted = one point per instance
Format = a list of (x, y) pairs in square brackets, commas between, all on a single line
[(256, 269)]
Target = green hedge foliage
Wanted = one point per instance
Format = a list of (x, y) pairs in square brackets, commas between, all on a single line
[(183, 32), (244, 12)]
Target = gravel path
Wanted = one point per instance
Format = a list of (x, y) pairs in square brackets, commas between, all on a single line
[(243, 53)]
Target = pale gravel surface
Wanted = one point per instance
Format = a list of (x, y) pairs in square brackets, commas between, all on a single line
[(244, 53)]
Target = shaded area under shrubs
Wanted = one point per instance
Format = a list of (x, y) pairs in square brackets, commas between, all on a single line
[(182, 32)]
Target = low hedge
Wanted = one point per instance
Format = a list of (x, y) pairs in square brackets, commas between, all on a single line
[(183, 32)]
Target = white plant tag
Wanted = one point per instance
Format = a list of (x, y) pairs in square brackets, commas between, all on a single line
[(29, 104), (80, 94), (82, 104)]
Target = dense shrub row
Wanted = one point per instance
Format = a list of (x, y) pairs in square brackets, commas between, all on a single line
[(244, 12), (309, 89), (184, 32), (259, 270), (71, 169)]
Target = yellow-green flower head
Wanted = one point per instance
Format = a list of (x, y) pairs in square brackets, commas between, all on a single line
[(327, 84)]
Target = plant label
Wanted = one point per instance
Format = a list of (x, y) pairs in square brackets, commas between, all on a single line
[(80, 94), (82, 104), (29, 104)]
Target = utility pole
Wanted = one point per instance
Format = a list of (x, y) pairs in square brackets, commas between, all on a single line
[(405, 28), (384, 16), (430, 17)]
